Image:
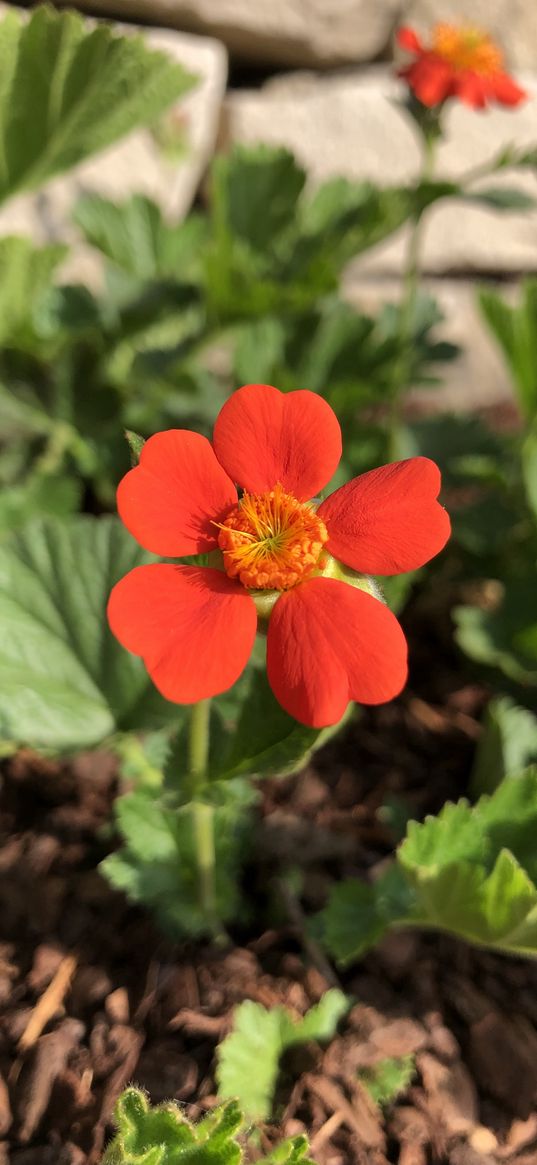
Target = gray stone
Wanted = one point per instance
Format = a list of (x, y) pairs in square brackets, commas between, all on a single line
[(137, 163), (478, 377), (354, 125), (512, 23), (285, 32)]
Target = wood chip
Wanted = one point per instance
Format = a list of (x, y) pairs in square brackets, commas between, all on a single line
[(49, 1003)]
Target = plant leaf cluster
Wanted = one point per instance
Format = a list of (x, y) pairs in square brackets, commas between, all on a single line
[(471, 871), (163, 1135)]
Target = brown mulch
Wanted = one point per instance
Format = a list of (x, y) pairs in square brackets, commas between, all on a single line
[(92, 997)]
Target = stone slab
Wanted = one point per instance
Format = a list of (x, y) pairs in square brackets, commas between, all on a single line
[(295, 33), (353, 125), (478, 377)]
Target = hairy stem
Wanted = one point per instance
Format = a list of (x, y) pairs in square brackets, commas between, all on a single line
[(411, 278), (202, 813)]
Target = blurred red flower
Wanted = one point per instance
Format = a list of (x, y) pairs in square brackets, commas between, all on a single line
[(277, 553), (461, 61)]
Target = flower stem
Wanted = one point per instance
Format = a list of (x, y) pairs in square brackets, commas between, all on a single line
[(407, 308), (202, 813)]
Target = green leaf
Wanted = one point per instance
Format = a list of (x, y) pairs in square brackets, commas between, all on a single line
[(266, 740), (388, 1078), (249, 179), (249, 1058), (157, 864), (164, 1136), (38, 496), (25, 274), (507, 745), (529, 468), (501, 198), (136, 444), (65, 682), (68, 90), (505, 638), (515, 330), (135, 236), (469, 871)]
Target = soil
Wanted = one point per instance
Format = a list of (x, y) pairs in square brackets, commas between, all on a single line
[(93, 997)]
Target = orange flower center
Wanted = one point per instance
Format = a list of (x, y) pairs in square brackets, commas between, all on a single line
[(270, 541), (467, 48)]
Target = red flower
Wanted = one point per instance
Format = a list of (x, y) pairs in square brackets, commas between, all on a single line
[(328, 642), (461, 62)]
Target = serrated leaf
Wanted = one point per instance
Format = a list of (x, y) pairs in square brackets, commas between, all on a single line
[(249, 1058), (388, 1078), (65, 682), (507, 745), (163, 1135), (68, 90), (469, 871), (157, 864), (250, 178)]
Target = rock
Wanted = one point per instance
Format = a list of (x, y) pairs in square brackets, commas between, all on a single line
[(352, 125), (295, 33), (136, 164), (478, 377), (513, 23)]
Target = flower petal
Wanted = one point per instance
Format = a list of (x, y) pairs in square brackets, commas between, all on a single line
[(171, 499), (329, 643), (387, 521), (506, 90), (472, 89), (430, 78), (263, 436), (409, 40), (193, 627)]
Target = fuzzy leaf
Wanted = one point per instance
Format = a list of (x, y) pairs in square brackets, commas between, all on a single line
[(67, 91), (65, 682), (249, 1058), (164, 1136)]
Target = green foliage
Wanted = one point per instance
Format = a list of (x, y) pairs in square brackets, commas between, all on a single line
[(249, 1058), (25, 273), (265, 741), (506, 636), (469, 871), (515, 330), (66, 682), (135, 237), (164, 1136), (388, 1078), (67, 91), (508, 744), (157, 863)]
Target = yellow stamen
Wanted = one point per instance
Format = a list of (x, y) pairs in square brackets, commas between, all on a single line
[(271, 541), (467, 48)]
